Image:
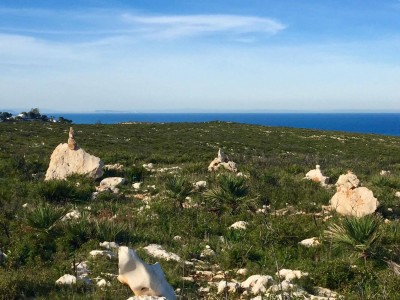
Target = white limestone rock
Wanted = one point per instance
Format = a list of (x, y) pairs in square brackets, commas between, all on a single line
[(149, 167), (316, 176), (347, 181), (222, 160), (146, 298), (384, 173), (110, 183), (81, 269), (103, 283), (72, 215), (257, 284), (207, 252), (397, 194), (289, 275), (230, 287), (352, 200), (239, 225), (200, 184), (143, 279), (109, 254), (65, 162), (230, 166), (109, 245), (136, 185), (242, 271), (310, 243), (66, 279), (158, 251), (115, 167)]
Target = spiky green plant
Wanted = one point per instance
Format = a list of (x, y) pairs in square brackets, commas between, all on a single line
[(358, 235), (111, 230), (178, 188), (44, 217), (230, 194)]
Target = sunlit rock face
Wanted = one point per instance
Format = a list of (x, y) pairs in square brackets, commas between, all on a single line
[(351, 199), (143, 279), (68, 159)]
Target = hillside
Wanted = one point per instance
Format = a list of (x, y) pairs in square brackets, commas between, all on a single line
[(280, 207)]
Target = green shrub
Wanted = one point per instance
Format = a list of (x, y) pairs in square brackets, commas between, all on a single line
[(360, 236), (178, 188), (61, 191), (230, 195), (44, 217)]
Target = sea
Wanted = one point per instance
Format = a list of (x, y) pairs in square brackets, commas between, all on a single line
[(373, 123)]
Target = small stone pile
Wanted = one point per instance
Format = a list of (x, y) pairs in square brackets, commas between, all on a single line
[(222, 160)]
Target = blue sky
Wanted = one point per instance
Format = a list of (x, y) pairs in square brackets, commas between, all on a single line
[(200, 56)]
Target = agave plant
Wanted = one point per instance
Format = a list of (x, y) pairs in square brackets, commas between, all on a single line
[(230, 194), (358, 235), (178, 188)]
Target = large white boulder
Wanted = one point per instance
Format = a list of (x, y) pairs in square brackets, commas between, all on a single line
[(351, 199), (316, 176), (143, 279), (65, 162), (356, 202)]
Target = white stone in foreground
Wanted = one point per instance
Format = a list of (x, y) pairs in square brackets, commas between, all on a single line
[(66, 279), (158, 251), (143, 279), (311, 242)]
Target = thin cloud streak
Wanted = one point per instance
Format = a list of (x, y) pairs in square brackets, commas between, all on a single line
[(193, 25)]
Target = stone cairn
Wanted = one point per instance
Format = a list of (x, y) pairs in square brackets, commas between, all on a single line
[(71, 140)]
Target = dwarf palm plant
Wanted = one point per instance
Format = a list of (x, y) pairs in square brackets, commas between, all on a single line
[(178, 188), (44, 217), (229, 195), (358, 235)]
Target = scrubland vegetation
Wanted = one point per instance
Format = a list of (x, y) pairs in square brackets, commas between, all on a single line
[(351, 260)]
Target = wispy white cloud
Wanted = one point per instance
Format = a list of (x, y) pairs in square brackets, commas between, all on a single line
[(193, 25), (92, 22)]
